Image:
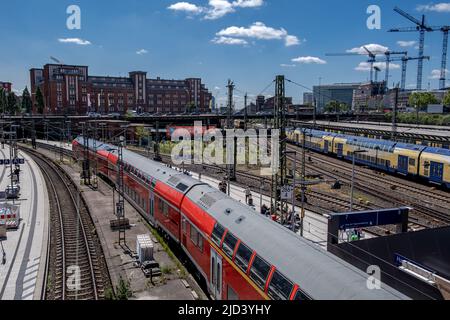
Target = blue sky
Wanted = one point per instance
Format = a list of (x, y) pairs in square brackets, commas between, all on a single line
[(249, 41)]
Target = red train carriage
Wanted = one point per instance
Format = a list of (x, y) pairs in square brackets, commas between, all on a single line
[(240, 254)]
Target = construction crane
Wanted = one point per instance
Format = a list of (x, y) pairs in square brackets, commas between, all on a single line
[(388, 55), (56, 60), (377, 69), (371, 61), (442, 79), (421, 27), (405, 59)]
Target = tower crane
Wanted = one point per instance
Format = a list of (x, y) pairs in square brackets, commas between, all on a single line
[(444, 30), (371, 61), (377, 69), (420, 27), (405, 59), (388, 55)]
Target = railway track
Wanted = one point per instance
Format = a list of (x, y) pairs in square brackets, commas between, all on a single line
[(76, 266), (318, 202), (385, 189)]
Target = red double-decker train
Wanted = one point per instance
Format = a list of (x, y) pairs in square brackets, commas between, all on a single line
[(240, 254)]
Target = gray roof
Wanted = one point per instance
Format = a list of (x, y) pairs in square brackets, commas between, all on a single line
[(320, 274)]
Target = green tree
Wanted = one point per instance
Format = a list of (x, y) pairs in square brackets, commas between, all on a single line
[(190, 107), (332, 106), (446, 100), (141, 133), (419, 100), (12, 103), (27, 104), (123, 290), (40, 101), (3, 101)]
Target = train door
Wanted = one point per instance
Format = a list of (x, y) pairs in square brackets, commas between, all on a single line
[(215, 281), (436, 172), (326, 146), (403, 163), (340, 150)]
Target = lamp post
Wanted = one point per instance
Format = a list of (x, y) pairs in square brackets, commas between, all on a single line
[(355, 152)]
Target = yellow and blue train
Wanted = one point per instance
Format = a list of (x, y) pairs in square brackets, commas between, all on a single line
[(429, 163)]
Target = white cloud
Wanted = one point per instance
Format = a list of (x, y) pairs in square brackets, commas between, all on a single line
[(291, 41), (373, 47), (438, 7), (186, 7), (229, 41), (436, 74), (216, 8), (248, 3), (284, 65), (405, 44), (259, 31), (309, 60), (365, 66), (141, 52), (77, 41)]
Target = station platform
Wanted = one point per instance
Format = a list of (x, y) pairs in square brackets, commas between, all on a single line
[(67, 146), (22, 275), (315, 226)]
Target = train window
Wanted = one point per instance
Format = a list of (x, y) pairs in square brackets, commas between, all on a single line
[(259, 272), (280, 287), (229, 244), (163, 208), (196, 238), (217, 234), (300, 296), (412, 162), (243, 256), (183, 225)]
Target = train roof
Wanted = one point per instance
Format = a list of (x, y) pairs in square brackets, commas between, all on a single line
[(320, 274), (439, 151), (410, 146)]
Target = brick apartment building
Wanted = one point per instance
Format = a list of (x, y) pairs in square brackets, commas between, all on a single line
[(69, 89), (7, 86)]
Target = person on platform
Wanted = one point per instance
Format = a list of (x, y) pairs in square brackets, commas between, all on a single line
[(248, 194)]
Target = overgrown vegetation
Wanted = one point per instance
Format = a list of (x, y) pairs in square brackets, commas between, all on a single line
[(429, 119), (123, 290)]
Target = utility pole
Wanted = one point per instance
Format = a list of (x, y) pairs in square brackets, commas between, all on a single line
[(245, 112), (230, 126), (86, 162), (157, 146), (94, 142), (120, 205), (303, 188), (33, 136), (394, 116), (280, 179), (61, 142)]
